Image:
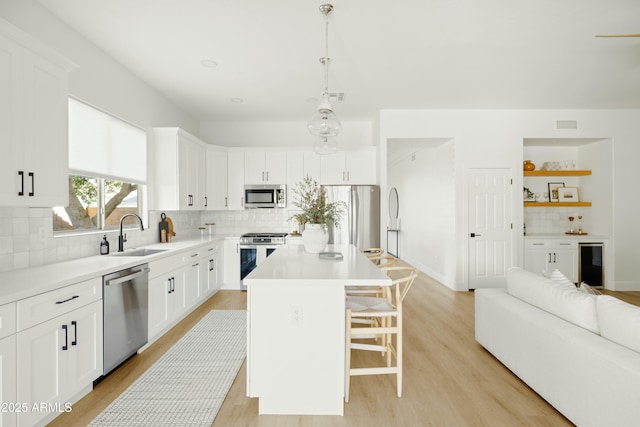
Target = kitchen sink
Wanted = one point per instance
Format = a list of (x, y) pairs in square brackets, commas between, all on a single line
[(139, 252)]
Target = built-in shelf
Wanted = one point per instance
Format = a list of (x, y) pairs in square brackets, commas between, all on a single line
[(558, 173), (555, 204)]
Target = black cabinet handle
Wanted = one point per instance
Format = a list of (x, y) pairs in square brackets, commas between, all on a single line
[(33, 184), (21, 175), (211, 265), (169, 285), (206, 201), (66, 338), (68, 299), (75, 332)]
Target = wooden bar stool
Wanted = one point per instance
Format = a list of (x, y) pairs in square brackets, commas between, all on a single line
[(386, 312)]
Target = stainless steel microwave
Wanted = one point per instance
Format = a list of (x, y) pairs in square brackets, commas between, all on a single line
[(265, 196)]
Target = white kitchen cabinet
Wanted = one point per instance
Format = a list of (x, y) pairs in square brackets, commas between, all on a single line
[(211, 270), (167, 300), (8, 385), (352, 167), (59, 358), (34, 122), (544, 256), (8, 382), (231, 264), (235, 164), (216, 179), (179, 170), (192, 277), (299, 165), (265, 167)]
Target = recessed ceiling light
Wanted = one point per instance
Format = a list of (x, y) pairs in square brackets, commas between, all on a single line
[(237, 100), (209, 63)]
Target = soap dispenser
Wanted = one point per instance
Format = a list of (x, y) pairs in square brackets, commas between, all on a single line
[(104, 246)]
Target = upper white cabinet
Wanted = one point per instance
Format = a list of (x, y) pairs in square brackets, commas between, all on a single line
[(299, 165), (265, 167), (179, 170), (353, 167), (235, 185), (217, 198), (33, 122)]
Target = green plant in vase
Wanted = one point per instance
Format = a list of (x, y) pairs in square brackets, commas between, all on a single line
[(312, 201), (317, 214)]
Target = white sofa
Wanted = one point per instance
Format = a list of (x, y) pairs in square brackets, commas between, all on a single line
[(580, 352)]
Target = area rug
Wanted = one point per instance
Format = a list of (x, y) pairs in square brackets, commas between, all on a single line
[(187, 385)]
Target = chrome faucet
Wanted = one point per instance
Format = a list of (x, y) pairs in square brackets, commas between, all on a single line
[(123, 237)]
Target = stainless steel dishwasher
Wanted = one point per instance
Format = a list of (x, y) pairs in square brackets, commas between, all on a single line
[(125, 308)]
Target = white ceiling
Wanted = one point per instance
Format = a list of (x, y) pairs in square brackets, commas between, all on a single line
[(384, 55)]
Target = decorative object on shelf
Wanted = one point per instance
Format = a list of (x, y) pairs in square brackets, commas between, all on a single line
[(528, 195), (568, 194), (553, 191), (324, 123), (317, 214), (572, 230), (528, 166), (580, 225)]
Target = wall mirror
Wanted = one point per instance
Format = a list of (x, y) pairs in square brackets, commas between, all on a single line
[(393, 206)]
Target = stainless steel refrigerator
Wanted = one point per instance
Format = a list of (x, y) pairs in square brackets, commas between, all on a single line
[(360, 223)]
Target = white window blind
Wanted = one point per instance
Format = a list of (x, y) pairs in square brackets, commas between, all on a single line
[(102, 145)]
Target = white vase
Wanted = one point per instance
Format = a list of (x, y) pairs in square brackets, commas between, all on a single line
[(314, 238)]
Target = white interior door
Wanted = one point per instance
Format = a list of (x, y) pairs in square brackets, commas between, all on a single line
[(490, 227)]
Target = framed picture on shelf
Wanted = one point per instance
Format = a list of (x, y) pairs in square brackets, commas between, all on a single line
[(568, 194), (553, 191)]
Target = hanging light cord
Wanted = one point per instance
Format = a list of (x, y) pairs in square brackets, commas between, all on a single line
[(325, 60)]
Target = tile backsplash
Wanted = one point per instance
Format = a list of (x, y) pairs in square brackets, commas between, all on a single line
[(551, 220), (27, 240)]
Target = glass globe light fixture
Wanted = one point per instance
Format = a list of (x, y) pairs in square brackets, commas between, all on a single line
[(324, 123), (325, 145)]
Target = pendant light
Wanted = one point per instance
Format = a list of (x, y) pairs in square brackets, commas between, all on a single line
[(324, 123)]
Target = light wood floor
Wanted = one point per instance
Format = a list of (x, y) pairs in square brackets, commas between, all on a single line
[(449, 380)]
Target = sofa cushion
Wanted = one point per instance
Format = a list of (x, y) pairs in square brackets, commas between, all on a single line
[(619, 321), (588, 289), (560, 279), (560, 300)]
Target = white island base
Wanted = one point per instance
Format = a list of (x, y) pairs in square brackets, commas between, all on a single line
[(295, 334)]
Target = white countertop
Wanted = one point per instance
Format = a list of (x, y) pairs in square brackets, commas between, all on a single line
[(24, 283), (578, 237), (291, 262)]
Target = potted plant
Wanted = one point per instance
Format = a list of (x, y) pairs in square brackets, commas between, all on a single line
[(317, 214)]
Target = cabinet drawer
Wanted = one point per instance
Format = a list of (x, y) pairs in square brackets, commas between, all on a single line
[(7, 320), (40, 308), (164, 265), (536, 244), (194, 254)]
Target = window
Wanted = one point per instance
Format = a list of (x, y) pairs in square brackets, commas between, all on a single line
[(107, 164)]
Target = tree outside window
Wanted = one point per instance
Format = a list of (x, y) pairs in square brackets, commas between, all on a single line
[(96, 204)]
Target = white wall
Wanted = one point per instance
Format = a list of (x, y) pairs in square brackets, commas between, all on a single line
[(280, 134), (493, 138), (424, 177)]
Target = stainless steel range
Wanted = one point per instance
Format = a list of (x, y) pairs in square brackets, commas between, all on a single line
[(255, 248)]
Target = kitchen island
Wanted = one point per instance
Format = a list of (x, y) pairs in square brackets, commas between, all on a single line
[(296, 330)]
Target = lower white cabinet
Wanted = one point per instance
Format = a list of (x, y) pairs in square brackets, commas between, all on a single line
[(57, 359), (545, 256), (180, 283), (166, 300), (211, 270), (8, 395), (232, 264)]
